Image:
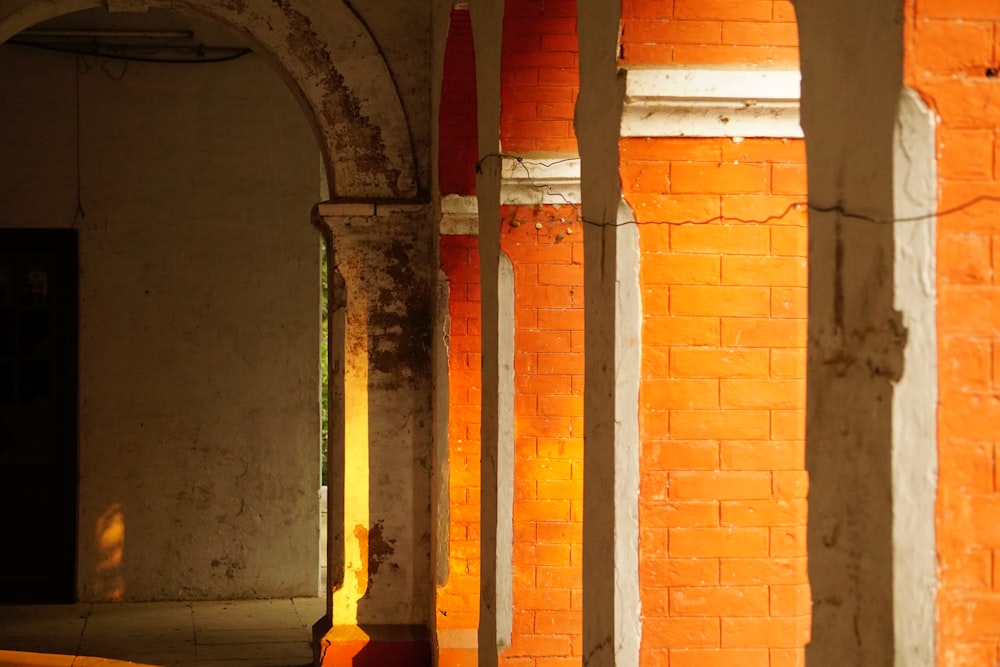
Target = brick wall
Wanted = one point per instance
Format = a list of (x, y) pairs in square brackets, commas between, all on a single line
[(950, 46), (458, 601), (548, 471), (539, 76), (722, 504), (761, 33), (457, 119)]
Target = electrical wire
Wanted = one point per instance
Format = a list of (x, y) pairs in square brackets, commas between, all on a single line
[(794, 206), (117, 53)]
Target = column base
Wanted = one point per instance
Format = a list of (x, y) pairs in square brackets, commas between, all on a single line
[(370, 645)]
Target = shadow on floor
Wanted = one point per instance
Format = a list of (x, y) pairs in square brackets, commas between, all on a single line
[(245, 633)]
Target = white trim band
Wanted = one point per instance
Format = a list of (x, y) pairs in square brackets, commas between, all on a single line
[(711, 103), (540, 180), (459, 215)]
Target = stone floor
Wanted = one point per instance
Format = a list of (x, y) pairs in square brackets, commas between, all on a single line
[(249, 633)]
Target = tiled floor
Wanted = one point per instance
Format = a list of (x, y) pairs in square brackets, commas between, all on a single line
[(252, 633)]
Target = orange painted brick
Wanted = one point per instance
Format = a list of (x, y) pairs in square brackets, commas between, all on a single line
[(726, 657), (558, 577), (790, 484), (720, 239), (764, 150), (755, 455), (966, 154), (678, 269), (720, 362), (723, 10), (559, 533), (672, 31), (718, 542), (789, 302), (759, 332), (560, 363), (668, 149), (665, 572), (788, 541), (529, 554), (788, 363), (765, 632), (566, 406), (684, 514), (542, 510), (758, 210), (788, 424), (677, 330), (674, 632), (560, 490), (640, 9), (788, 179), (779, 394), (973, 416), (560, 319), (719, 178), (544, 469), (695, 485), (653, 486), (764, 513), (702, 300), (655, 362), (540, 645), (760, 33), (666, 394), (755, 56), (965, 259), (965, 9), (771, 571), (784, 10), (777, 271), (788, 657), (719, 601), (560, 448), (791, 600), (721, 424), (789, 241), (558, 622), (680, 455), (650, 208)]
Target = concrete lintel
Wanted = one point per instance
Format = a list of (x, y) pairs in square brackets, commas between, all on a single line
[(533, 180), (671, 102)]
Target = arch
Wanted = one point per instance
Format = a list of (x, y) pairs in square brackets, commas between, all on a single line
[(332, 65)]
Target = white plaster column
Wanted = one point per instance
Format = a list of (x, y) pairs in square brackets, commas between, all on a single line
[(612, 630), (871, 353), (497, 469)]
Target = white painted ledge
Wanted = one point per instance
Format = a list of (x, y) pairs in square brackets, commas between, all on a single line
[(459, 215), (540, 180), (711, 103)]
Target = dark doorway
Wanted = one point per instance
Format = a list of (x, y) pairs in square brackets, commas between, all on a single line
[(38, 415)]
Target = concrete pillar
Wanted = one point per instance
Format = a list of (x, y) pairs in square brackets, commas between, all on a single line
[(497, 469), (613, 322), (380, 454), (871, 356)]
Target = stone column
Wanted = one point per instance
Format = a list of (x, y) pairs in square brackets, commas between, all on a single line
[(611, 612), (381, 435)]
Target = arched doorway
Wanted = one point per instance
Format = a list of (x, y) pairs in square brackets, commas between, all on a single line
[(189, 189)]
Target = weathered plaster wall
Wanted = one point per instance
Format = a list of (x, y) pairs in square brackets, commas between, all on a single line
[(199, 314), (350, 69)]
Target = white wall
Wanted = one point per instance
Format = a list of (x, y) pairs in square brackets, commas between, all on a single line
[(198, 309)]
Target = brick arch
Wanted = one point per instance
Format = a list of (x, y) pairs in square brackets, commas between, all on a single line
[(354, 108)]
